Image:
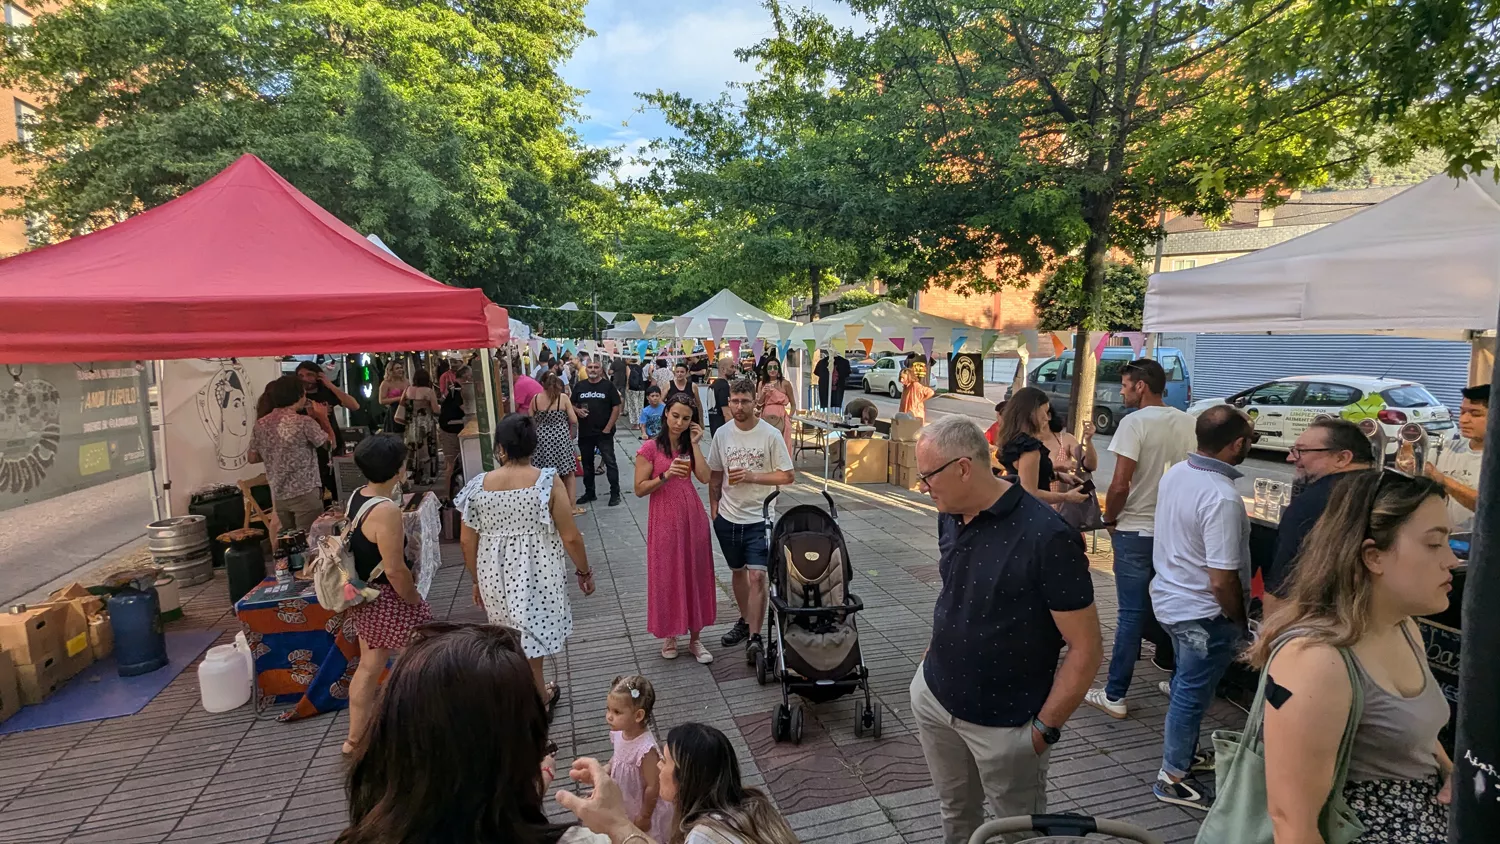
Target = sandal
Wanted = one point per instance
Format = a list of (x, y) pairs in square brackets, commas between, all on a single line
[(669, 649), (552, 700), (579, 511)]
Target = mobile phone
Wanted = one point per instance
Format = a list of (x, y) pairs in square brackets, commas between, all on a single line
[(1088, 486)]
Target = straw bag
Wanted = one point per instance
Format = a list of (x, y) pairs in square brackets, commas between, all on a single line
[(1240, 814), (333, 575)]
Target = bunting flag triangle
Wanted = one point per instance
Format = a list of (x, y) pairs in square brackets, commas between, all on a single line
[(641, 347), (956, 340), (899, 343), (839, 344), (987, 340), (926, 346), (851, 333), (785, 329), (869, 344), (782, 348), (752, 328), (812, 346), (734, 348), (919, 331), (682, 323), (570, 346), (644, 321), (608, 316), (716, 326), (536, 347), (712, 349), (612, 346), (551, 344), (758, 348), (1058, 346), (1137, 341), (1099, 346), (568, 306)]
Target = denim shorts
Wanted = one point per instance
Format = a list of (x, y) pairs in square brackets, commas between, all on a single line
[(744, 546)]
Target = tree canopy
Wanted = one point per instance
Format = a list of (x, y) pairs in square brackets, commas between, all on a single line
[(440, 127)]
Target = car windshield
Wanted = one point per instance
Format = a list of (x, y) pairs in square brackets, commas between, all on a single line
[(1109, 370), (1409, 395)]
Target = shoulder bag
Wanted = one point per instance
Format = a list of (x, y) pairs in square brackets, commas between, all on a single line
[(1240, 814)]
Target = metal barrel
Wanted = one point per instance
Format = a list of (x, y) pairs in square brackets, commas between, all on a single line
[(180, 546)]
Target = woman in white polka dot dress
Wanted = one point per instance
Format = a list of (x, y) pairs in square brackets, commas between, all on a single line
[(517, 538)]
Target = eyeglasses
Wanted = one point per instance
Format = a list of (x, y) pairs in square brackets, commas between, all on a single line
[(926, 480), (1298, 451)]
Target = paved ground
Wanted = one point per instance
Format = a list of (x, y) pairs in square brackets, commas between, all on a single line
[(176, 773), (42, 542)]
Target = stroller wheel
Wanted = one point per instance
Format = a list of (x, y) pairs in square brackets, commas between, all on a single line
[(796, 725), (760, 668), (861, 711), (781, 722), (875, 728)]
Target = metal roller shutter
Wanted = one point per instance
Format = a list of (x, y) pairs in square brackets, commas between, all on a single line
[(1227, 363)]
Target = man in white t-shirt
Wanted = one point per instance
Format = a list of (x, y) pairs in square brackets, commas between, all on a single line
[(1457, 466), (1148, 442), (1202, 584), (747, 460)]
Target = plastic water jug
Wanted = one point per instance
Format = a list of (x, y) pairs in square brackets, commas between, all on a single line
[(223, 679), (242, 645)]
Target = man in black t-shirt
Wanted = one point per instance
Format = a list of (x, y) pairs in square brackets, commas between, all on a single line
[(990, 698), (597, 403), (729, 369), (319, 389)]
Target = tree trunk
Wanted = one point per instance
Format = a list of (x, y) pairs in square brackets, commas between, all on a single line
[(814, 275), (1085, 368)]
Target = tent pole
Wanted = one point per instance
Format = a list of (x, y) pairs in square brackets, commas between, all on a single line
[(510, 379), (487, 419), (164, 509)]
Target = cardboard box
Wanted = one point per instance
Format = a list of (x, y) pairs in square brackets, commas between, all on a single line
[(39, 680), (905, 477), (75, 634), (10, 688), (32, 635), (101, 637), (866, 461), (904, 454), (905, 428), (92, 604)]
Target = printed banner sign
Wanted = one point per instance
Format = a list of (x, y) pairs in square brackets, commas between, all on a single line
[(966, 374), (66, 427), (208, 410)]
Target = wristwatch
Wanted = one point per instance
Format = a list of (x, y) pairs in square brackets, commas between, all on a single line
[(1050, 735)]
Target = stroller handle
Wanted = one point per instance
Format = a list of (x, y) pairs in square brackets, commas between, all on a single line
[(765, 507), (1070, 825)]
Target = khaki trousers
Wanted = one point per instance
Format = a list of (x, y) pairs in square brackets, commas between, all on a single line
[(970, 763), (300, 511)]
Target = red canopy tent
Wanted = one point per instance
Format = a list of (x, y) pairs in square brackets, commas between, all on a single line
[(243, 265)]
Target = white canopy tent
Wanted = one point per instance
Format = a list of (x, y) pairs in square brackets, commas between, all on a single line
[(891, 326), (698, 323), (629, 330), (1424, 263)]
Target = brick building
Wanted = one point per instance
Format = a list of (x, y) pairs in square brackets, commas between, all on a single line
[(18, 107)]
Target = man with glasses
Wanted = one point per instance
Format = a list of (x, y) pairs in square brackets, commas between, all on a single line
[(747, 460), (990, 698), (1322, 455), (1202, 583), (1148, 442)]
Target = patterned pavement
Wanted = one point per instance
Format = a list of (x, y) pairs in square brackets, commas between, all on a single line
[(175, 773)]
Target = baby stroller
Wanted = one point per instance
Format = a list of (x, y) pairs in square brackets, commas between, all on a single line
[(812, 641), (1063, 829)]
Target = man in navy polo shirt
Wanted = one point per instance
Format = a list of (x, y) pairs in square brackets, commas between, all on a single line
[(990, 698)]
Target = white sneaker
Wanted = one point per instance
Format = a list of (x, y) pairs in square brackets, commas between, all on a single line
[(1099, 700), (1165, 687), (700, 653)]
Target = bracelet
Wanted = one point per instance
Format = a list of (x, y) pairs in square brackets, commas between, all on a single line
[(585, 574), (633, 836)]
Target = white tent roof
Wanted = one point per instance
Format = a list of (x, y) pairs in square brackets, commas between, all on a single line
[(884, 321), (629, 330), (1425, 262), (727, 306), (518, 329)]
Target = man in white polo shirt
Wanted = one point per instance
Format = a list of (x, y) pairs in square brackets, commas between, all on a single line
[(1202, 584)]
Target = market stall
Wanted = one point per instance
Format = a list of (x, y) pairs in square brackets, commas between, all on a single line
[(1424, 263)]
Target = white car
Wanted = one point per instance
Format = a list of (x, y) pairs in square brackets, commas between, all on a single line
[(885, 377), (1283, 409)]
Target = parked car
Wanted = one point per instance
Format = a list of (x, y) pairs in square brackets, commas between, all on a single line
[(1054, 376), (884, 376), (857, 372), (1283, 409)]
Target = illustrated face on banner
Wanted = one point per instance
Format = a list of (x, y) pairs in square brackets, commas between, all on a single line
[(29, 433), (224, 408)]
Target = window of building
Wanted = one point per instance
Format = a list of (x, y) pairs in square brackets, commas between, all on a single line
[(37, 230), (1184, 263), (26, 117), (16, 16)]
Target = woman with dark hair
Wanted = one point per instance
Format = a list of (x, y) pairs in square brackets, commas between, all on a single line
[(680, 590), (1021, 451), (378, 543), (1377, 558), (456, 751), (517, 538), (418, 412), (287, 442), (556, 447), (682, 385), (776, 401), (700, 775)]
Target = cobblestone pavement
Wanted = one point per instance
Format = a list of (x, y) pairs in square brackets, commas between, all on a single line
[(175, 773)]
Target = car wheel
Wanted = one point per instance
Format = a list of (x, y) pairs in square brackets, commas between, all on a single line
[(866, 386), (894, 390), (1104, 421)]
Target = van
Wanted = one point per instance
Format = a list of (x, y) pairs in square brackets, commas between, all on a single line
[(1054, 376)]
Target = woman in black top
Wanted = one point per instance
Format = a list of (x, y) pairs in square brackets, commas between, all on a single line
[(1021, 450), (379, 539), (681, 385)]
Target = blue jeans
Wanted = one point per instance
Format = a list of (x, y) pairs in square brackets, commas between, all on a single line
[(1204, 651), (1133, 593)]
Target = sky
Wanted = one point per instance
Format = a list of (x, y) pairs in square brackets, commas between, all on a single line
[(685, 46)]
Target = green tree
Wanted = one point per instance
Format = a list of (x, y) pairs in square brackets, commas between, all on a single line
[(1062, 306), (439, 127)]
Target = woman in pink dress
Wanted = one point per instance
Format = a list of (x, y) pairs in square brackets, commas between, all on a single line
[(680, 592), (776, 402)]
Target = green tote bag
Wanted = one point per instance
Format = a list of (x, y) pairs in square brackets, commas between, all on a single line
[(1240, 814)]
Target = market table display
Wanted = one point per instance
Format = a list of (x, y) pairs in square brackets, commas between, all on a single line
[(835, 430), (304, 654)]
